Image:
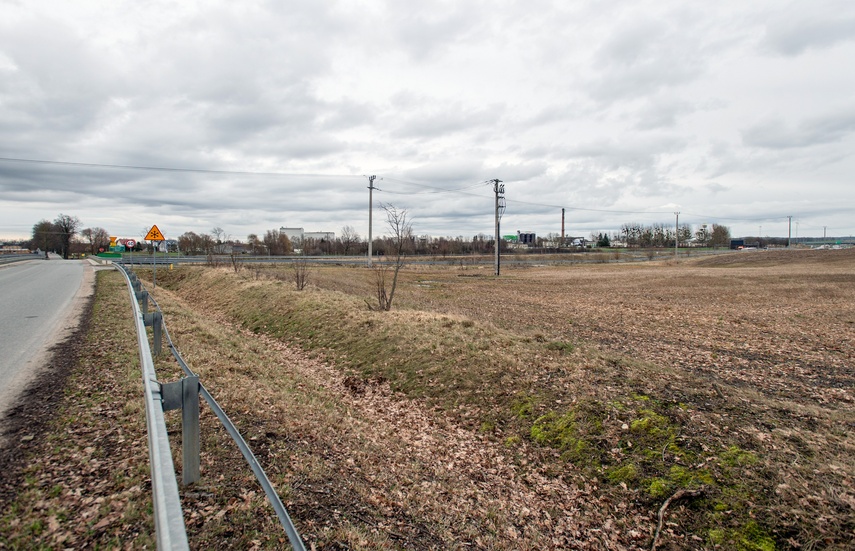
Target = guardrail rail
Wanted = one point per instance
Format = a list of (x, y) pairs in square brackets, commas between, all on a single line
[(182, 394)]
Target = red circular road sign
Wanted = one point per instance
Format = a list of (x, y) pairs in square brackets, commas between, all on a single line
[(130, 243)]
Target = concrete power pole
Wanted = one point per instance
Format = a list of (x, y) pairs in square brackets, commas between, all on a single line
[(499, 190), (676, 234), (789, 230), (370, 209)]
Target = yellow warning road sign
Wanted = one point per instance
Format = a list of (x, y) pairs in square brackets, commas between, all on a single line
[(154, 235)]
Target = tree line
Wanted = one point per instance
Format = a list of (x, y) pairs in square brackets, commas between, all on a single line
[(63, 235), (663, 235), (347, 243)]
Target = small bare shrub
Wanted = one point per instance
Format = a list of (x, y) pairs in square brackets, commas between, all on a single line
[(237, 262), (300, 273), (402, 232), (214, 261)]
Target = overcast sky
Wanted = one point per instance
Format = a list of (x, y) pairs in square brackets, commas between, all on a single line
[(254, 115)]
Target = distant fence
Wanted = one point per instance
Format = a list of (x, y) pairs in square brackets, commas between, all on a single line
[(182, 394)]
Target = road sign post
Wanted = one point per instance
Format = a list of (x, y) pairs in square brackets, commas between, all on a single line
[(130, 244), (154, 235)]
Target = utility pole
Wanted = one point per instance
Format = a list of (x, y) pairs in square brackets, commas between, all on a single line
[(562, 227), (371, 189), (823, 231), (676, 234), (499, 190), (789, 230)]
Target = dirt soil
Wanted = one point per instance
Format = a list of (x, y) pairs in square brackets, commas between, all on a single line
[(779, 322), (32, 412)]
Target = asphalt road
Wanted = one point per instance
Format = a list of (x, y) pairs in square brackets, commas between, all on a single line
[(39, 303)]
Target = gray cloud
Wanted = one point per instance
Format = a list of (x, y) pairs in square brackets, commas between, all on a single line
[(424, 31), (776, 134), (663, 112), (598, 105), (422, 119), (800, 27), (644, 56)]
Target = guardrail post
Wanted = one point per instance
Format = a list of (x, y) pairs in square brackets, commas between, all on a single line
[(142, 296), (155, 320), (190, 448), (158, 333), (184, 395)]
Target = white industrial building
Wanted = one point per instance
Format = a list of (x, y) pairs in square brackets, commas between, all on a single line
[(297, 235)]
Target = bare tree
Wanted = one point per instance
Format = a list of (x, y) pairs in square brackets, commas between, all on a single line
[(190, 243), (97, 238), (349, 238), (219, 240), (45, 236), (277, 243), (256, 246), (67, 227), (402, 235)]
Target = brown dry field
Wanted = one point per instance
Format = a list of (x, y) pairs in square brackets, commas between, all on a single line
[(749, 355), (778, 322)]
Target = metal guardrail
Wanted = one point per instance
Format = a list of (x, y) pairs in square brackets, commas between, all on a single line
[(9, 258), (184, 395), (168, 516)]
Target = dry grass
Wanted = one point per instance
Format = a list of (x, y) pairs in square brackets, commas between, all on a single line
[(360, 467)]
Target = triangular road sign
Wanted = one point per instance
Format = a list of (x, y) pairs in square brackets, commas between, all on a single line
[(154, 235)]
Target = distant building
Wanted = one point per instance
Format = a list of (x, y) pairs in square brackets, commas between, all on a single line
[(320, 235), (526, 238), (297, 235)]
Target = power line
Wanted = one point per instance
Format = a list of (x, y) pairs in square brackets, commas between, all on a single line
[(434, 189), (174, 169)]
